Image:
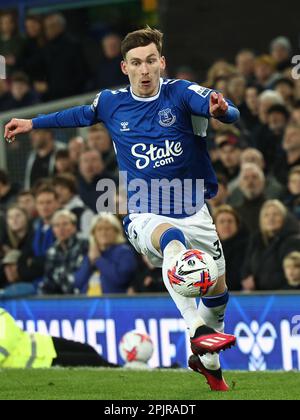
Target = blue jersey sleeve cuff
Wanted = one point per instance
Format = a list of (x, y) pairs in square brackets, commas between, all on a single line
[(231, 116)]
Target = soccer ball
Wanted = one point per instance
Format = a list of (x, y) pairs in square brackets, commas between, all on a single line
[(136, 349), (194, 273)]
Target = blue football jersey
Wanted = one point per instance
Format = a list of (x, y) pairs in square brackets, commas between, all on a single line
[(160, 143), (162, 138)]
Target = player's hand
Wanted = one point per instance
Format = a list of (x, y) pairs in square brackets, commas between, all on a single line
[(17, 126), (217, 105)]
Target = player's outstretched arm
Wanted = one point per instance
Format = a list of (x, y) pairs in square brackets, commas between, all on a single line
[(80, 116), (205, 102)]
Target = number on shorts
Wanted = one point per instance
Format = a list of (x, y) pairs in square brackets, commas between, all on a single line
[(217, 245)]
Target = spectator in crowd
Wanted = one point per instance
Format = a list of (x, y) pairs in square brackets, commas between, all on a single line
[(76, 145), (269, 138), (286, 88), (17, 233), (220, 68), (273, 189), (91, 170), (31, 265), (265, 71), (147, 278), (9, 274), (26, 201), (291, 267), (98, 138), (108, 253), (292, 197), (64, 63), (222, 195), (21, 95), (65, 256), (63, 163), (4, 95), (8, 191), (229, 152), (31, 59), (295, 115), (66, 189), (221, 85), (109, 72), (278, 236), (249, 113), (245, 62), (291, 155), (281, 51), (234, 240), (252, 185), (186, 73), (18, 229), (266, 100), (41, 161), (236, 89), (11, 43)]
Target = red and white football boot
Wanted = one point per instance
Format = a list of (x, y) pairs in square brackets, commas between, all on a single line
[(207, 340), (214, 377)]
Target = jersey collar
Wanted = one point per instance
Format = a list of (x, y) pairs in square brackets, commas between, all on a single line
[(151, 98)]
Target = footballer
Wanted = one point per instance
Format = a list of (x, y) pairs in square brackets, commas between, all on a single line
[(158, 127)]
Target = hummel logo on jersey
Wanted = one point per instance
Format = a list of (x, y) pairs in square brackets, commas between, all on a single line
[(125, 125)]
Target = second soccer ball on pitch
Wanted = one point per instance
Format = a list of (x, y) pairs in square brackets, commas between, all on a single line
[(194, 273), (136, 349)]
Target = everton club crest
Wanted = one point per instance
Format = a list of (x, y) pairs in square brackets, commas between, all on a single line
[(166, 117)]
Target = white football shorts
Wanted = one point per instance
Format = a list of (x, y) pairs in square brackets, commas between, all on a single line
[(199, 231)]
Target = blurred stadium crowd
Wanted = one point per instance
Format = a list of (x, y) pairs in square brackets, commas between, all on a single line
[(52, 241)]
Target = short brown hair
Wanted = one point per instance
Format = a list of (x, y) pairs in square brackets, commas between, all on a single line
[(142, 38), (66, 180), (45, 189), (226, 208)]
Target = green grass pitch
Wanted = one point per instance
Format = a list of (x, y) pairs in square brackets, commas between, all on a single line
[(120, 384)]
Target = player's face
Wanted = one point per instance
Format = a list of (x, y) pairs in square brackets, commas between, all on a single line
[(143, 66)]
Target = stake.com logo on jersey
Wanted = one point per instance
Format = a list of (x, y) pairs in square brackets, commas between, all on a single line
[(160, 156)]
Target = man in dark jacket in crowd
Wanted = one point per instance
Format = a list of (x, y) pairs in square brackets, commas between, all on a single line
[(21, 95), (64, 62), (291, 157), (91, 170), (252, 185)]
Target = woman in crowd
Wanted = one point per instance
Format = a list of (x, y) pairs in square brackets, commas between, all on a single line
[(234, 240), (279, 235), (18, 229), (16, 236), (109, 254)]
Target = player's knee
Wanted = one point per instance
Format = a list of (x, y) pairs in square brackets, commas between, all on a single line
[(164, 234), (220, 287), (158, 232)]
